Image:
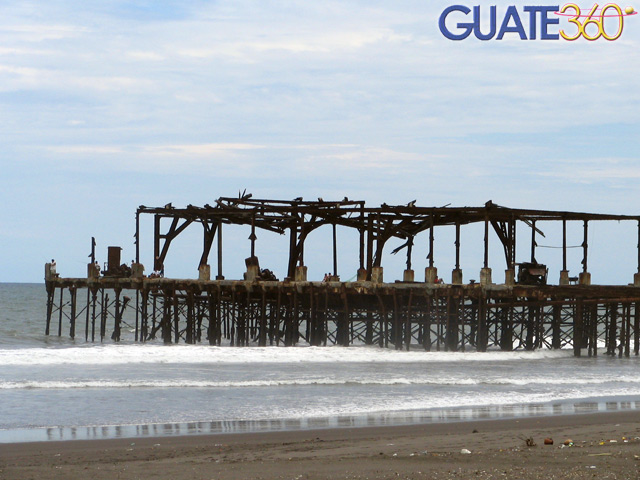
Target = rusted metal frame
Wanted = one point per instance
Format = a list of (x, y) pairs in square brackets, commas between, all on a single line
[(577, 327), (60, 309), (370, 239), (362, 230), (94, 301), (262, 332), (585, 246), (176, 316), (209, 232), (482, 340), (556, 327), (397, 326), (533, 241), (144, 321), (426, 322), (173, 232), (72, 320), (457, 245), (486, 242), (636, 328), (383, 340), (408, 322), (87, 315), (118, 317), (503, 232), (189, 332), (325, 324), (624, 331), (335, 250), (344, 338), (564, 244), (278, 315), (104, 305), (232, 317), (431, 240), (612, 329)]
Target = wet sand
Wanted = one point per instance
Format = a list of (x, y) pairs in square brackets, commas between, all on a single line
[(605, 446)]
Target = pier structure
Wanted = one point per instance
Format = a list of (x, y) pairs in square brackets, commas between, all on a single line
[(524, 312)]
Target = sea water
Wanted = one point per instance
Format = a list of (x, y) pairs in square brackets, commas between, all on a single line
[(56, 388)]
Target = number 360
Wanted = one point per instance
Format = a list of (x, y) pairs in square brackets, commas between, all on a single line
[(597, 21)]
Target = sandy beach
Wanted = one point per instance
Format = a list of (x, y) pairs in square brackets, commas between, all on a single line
[(604, 446)]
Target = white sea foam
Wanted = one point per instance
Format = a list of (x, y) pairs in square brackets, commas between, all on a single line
[(192, 354), (628, 380)]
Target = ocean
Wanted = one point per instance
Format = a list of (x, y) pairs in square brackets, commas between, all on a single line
[(55, 388)]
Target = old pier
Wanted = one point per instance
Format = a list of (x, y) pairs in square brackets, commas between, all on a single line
[(524, 312)]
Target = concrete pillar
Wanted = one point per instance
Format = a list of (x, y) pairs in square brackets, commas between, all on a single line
[(564, 277), (377, 275), (50, 271), (408, 276), (93, 271), (137, 270), (362, 274), (485, 276), (584, 278), (636, 280), (253, 272), (456, 276), (204, 272), (430, 275), (510, 277), (301, 273)]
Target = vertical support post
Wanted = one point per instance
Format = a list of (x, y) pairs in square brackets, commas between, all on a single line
[(253, 236), (144, 327), (176, 317), (397, 329), (612, 330), (137, 314), (72, 329), (220, 276), (361, 231), (555, 329), (513, 244), (86, 322), (369, 245), (94, 301), (189, 332), (262, 334), (431, 242), (104, 306), (482, 339), (116, 330), (335, 251), (639, 246), (564, 244), (577, 327), (486, 242), (636, 328), (156, 242), (408, 323), (533, 241), (50, 293), (137, 237), (457, 244), (585, 247), (60, 313), (301, 252), (292, 251)]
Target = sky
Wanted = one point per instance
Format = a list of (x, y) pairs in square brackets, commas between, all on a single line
[(108, 105)]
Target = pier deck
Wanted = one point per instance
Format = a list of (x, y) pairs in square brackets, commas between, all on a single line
[(524, 313)]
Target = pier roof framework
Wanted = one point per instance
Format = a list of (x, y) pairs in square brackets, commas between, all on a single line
[(375, 226)]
